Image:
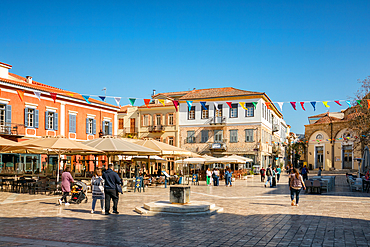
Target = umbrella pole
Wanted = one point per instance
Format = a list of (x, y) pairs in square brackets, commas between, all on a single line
[(58, 171)]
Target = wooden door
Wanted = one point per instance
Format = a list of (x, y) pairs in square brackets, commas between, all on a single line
[(132, 125)]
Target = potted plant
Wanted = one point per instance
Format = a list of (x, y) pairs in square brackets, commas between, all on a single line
[(233, 178), (245, 176), (251, 173)]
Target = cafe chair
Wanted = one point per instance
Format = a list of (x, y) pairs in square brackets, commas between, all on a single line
[(316, 185)]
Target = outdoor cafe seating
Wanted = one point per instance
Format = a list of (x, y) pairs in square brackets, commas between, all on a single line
[(319, 183)]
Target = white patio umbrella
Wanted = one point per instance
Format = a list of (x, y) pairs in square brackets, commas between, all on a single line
[(365, 160), (239, 159)]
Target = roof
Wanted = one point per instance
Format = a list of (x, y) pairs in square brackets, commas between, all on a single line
[(123, 109), (157, 105), (180, 93), (353, 115), (6, 65), (216, 92), (21, 81), (327, 119)]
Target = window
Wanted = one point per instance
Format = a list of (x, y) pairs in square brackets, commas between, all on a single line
[(107, 127), (2, 114), (204, 136), (218, 112), (249, 133), (72, 123), (233, 135), (170, 140), (319, 137), (250, 111), (90, 126), (190, 137), (191, 113), (170, 119), (146, 120), (158, 120), (31, 117), (120, 123), (51, 120), (219, 135), (234, 111), (5, 115), (205, 112)]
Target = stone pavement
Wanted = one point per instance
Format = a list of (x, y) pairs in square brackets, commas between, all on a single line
[(253, 216)]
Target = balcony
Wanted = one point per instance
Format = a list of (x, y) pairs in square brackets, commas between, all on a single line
[(156, 128), (217, 121), (12, 129), (275, 127)]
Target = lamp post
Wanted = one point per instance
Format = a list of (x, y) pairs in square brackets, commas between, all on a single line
[(331, 140)]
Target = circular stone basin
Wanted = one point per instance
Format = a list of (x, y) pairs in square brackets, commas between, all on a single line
[(191, 207)]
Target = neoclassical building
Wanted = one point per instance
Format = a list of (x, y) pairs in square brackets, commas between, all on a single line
[(331, 140)]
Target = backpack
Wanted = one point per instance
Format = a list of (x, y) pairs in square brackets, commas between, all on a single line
[(268, 172)]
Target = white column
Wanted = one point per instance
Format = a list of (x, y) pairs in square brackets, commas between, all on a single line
[(62, 122), (115, 132)]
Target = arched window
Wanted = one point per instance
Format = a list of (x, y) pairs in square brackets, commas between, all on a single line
[(347, 134), (319, 137)]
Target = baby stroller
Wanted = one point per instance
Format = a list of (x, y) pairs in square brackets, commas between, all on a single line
[(78, 191)]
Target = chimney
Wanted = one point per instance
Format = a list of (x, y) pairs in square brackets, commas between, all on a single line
[(154, 92), (29, 79)]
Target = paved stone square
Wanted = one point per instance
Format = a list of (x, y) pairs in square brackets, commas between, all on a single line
[(253, 216)]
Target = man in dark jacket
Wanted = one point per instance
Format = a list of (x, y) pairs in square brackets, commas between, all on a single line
[(111, 183)]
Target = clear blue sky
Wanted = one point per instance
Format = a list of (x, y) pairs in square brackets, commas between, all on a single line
[(292, 50)]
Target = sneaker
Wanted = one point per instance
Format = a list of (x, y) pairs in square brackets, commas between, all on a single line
[(66, 204), (297, 205), (92, 211), (103, 210), (115, 212), (60, 202), (265, 185), (292, 203)]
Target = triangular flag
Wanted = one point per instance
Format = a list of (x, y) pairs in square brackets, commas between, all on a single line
[(359, 102), (243, 105), (337, 101), (255, 104), (176, 104), (20, 94), (203, 104), (190, 103), (102, 98), (280, 105), (302, 104), (53, 96), (162, 101), (70, 94), (216, 105), (326, 104), (146, 102), (117, 99), (293, 105), (348, 103), (229, 104), (313, 103), (368, 103), (268, 105), (86, 97), (132, 101), (38, 94)]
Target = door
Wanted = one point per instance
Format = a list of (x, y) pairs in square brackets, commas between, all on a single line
[(132, 125), (319, 157), (347, 157)]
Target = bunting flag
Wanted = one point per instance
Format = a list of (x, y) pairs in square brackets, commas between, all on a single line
[(38, 94), (268, 105), (313, 103), (132, 101), (203, 104), (337, 101), (190, 103), (280, 104), (216, 105), (162, 101), (255, 104), (176, 104), (359, 102), (302, 105), (86, 97), (348, 103), (53, 96), (146, 102), (20, 94), (117, 99), (326, 104), (242, 104), (293, 105), (229, 104), (368, 103), (102, 98)]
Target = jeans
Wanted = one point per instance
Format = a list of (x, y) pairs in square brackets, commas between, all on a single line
[(269, 179), (109, 193), (64, 197), (229, 181), (296, 192), (262, 178), (305, 176), (278, 177), (216, 181), (94, 203)]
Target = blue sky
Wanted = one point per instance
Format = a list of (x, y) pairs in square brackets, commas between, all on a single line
[(292, 50)]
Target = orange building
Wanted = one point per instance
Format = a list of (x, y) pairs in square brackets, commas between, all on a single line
[(30, 109)]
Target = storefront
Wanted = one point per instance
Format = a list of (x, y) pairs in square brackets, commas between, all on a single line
[(20, 163)]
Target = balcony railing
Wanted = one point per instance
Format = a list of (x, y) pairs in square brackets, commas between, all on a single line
[(156, 128), (217, 120), (12, 129)]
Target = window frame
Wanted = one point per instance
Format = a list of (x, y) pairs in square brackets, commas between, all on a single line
[(233, 136), (205, 112), (250, 107), (191, 113), (233, 108), (251, 135), (171, 119), (204, 138), (190, 138)]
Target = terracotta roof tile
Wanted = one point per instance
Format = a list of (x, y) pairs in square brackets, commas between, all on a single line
[(158, 105), (327, 119), (170, 94), (216, 92), (353, 115)]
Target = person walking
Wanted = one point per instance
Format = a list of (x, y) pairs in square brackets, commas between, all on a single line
[(278, 172), (296, 184), (319, 172), (112, 185), (97, 183), (304, 173), (216, 177), (209, 176), (269, 175), (263, 174), (226, 176), (230, 176), (67, 179)]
